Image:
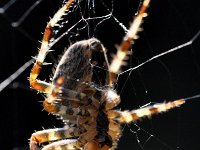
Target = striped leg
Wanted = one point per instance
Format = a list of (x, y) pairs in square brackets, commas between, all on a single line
[(59, 109), (49, 135), (123, 48), (64, 145), (69, 109), (85, 97), (93, 145), (44, 49), (66, 101), (71, 114), (130, 116), (70, 101)]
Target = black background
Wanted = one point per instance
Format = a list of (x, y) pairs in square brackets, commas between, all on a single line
[(175, 75)]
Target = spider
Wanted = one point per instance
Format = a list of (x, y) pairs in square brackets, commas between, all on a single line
[(91, 122)]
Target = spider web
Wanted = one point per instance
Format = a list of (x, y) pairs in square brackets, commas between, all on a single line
[(169, 31)]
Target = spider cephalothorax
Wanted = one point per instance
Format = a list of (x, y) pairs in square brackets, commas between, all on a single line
[(88, 110)]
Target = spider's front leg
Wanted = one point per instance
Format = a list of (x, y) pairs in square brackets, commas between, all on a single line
[(44, 49), (124, 47)]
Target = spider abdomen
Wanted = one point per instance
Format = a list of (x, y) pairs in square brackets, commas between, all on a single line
[(75, 64)]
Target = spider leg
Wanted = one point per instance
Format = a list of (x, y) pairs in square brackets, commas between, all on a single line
[(73, 107), (84, 97), (65, 101), (134, 115), (71, 112), (57, 108), (40, 137), (67, 144), (93, 145), (123, 48), (69, 104), (44, 49), (37, 84)]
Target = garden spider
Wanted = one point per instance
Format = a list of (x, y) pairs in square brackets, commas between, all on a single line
[(91, 122)]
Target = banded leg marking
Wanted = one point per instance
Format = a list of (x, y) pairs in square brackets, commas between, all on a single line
[(83, 98), (58, 108), (64, 145), (123, 48), (129, 116), (53, 135), (34, 83)]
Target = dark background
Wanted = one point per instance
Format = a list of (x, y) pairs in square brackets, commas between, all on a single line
[(173, 76)]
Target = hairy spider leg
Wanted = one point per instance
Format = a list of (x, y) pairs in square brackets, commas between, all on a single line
[(70, 112), (67, 144), (134, 115), (84, 132), (93, 145), (68, 103), (74, 145), (57, 108), (52, 135), (123, 48), (67, 97), (83, 97), (44, 49)]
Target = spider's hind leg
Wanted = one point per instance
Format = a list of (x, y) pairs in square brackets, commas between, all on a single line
[(67, 144), (52, 135)]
